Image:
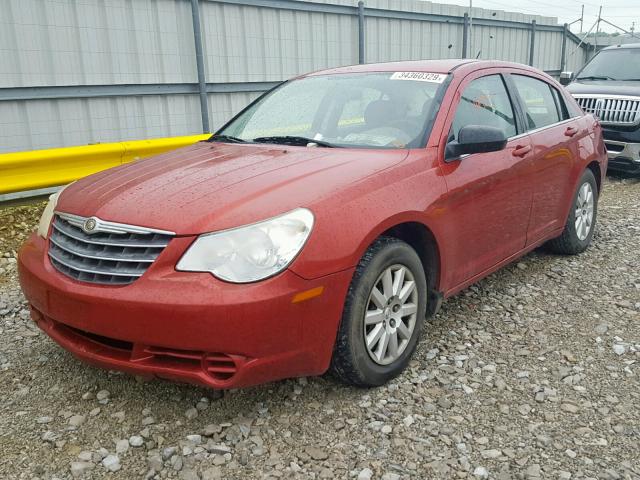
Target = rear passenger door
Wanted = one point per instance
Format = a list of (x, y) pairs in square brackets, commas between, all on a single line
[(554, 140)]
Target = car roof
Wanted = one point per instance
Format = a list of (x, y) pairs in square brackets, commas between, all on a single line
[(623, 45), (431, 66)]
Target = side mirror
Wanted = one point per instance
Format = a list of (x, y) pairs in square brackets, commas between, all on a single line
[(565, 78), (475, 139)]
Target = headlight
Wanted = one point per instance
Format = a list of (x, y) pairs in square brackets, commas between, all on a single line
[(250, 253), (47, 214)]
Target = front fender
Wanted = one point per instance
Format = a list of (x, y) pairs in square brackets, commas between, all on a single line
[(348, 222)]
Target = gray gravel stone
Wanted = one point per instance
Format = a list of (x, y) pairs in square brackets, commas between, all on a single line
[(317, 453), (168, 452), (492, 453), (619, 349), (481, 472), (122, 446), (103, 395), (365, 474), (80, 469), (111, 463), (390, 476), (77, 420), (191, 413), (155, 463)]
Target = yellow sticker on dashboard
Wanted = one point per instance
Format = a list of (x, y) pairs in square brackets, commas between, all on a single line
[(419, 76)]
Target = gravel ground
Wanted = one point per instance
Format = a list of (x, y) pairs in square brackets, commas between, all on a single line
[(532, 373)]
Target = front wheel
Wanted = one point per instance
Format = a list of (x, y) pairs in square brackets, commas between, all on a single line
[(578, 231), (383, 315)]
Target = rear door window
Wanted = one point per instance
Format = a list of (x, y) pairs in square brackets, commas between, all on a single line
[(540, 106)]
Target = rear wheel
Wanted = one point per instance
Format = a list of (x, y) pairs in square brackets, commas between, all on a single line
[(578, 231), (383, 315)]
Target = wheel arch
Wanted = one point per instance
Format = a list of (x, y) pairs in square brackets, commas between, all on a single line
[(595, 168), (423, 240)]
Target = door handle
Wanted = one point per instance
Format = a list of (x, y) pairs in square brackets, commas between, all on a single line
[(521, 150), (570, 131)]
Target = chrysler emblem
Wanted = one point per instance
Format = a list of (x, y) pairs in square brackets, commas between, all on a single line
[(89, 225)]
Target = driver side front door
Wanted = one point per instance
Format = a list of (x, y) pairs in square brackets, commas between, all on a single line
[(489, 194)]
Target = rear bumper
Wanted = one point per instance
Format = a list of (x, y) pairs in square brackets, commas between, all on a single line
[(185, 326)]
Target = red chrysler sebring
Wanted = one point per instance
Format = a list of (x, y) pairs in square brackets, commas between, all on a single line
[(318, 228)]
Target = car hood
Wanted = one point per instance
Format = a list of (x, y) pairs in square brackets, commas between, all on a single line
[(213, 186), (598, 87)]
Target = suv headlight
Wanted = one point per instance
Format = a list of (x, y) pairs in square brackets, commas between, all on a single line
[(252, 252)]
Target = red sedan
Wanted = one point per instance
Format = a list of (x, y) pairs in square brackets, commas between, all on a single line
[(318, 228)]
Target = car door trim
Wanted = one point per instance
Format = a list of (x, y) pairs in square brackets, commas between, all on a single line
[(540, 129)]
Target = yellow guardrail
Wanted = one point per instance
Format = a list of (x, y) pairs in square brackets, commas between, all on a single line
[(36, 169)]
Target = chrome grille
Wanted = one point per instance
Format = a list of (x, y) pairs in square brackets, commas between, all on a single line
[(612, 110), (108, 253)]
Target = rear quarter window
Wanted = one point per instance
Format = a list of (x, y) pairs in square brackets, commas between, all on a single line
[(561, 104), (573, 108)]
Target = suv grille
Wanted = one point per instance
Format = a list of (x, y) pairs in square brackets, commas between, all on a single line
[(611, 110), (104, 252)]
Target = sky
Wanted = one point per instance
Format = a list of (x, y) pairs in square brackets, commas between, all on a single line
[(618, 12)]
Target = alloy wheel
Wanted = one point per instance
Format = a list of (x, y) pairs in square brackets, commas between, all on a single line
[(584, 211), (390, 318)]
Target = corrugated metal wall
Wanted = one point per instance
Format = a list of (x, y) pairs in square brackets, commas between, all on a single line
[(37, 124), (95, 42), (254, 44), (64, 43)]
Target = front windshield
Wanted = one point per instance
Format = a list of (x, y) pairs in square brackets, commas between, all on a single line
[(380, 110), (619, 64)]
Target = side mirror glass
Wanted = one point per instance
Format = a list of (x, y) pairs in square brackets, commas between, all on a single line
[(475, 139), (565, 78)]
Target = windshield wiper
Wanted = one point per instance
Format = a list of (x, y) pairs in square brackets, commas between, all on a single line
[(630, 79), (293, 140), (595, 77), (226, 139)]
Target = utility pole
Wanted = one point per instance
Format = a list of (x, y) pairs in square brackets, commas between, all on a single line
[(202, 80), (595, 38), (470, 28), (581, 20)]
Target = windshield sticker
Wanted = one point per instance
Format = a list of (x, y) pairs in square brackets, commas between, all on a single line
[(419, 76)]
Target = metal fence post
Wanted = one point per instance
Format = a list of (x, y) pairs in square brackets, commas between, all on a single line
[(361, 32), (532, 43), (563, 55), (465, 34), (202, 83)]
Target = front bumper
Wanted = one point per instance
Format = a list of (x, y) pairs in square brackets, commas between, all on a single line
[(623, 148), (186, 326), (623, 156)]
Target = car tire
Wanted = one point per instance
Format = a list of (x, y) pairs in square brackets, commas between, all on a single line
[(578, 231), (389, 266)]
